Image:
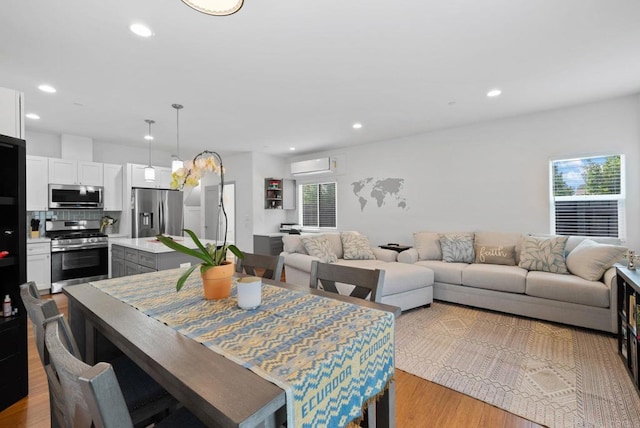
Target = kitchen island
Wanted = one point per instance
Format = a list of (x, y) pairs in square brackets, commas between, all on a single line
[(142, 255)]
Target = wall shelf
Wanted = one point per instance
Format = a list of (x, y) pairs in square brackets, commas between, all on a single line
[(279, 194)]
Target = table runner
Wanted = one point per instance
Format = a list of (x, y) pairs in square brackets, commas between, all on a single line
[(330, 357)]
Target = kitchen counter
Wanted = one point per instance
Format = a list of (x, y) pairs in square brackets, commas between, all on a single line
[(38, 240), (152, 245)]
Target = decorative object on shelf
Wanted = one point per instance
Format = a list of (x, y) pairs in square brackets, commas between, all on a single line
[(176, 162), (632, 258), (149, 171), (213, 256), (215, 7), (217, 284)]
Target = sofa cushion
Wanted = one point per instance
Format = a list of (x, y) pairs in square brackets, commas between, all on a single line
[(318, 246), (450, 273), (500, 238), (293, 244), (543, 254), (496, 255), (589, 260), (457, 247), (336, 243), (567, 288), (398, 277), (495, 277), (574, 241), (356, 247), (428, 245)]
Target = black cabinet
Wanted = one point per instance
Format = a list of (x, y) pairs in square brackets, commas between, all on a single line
[(13, 270), (628, 310)]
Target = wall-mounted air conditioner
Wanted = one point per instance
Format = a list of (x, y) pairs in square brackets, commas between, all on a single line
[(312, 166)]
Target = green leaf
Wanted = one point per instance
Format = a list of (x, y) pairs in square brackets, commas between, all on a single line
[(184, 277), (236, 251), (181, 248), (196, 240)]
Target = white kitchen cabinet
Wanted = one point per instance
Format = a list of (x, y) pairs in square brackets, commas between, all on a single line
[(37, 179), (112, 195), (11, 113), (39, 265), (69, 171), (162, 181)]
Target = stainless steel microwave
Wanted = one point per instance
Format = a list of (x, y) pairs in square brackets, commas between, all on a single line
[(72, 196)]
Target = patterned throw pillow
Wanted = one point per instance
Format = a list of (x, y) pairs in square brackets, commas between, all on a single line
[(457, 247), (318, 246), (496, 255), (543, 254), (356, 247)]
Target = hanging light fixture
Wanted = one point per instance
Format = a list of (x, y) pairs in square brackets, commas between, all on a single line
[(215, 7), (176, 162), (149, 171)]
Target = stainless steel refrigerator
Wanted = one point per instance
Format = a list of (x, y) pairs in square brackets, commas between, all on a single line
[(156, 211)]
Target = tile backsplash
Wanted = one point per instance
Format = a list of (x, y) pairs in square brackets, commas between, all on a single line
[(67, 215)]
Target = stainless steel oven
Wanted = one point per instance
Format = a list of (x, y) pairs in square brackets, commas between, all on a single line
[(79, 252)]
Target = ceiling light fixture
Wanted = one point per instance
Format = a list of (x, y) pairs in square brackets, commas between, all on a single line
[(141, 30), (32, 116), (292, 149), (47, 88), (494, 93), (176, 162), (215, 7), (149, 171), (357, 125)]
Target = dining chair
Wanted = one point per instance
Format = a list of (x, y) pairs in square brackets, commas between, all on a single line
[(272, 265), (93, 397), (365, 283), (145, 398)]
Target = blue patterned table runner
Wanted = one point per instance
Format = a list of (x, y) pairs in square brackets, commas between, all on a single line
[(330, 357)]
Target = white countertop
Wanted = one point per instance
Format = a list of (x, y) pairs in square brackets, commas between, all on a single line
[(152, 245), (276, 234), (38, 240)]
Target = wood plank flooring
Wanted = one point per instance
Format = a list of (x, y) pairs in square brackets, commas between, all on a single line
[(419, 403)]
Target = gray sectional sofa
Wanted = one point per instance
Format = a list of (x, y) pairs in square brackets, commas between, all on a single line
[(405, 285), (582, 294)]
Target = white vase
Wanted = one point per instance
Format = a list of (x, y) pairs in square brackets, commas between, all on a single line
[(249, 292)]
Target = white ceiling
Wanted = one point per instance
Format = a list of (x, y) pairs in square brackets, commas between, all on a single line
[(283, 73)]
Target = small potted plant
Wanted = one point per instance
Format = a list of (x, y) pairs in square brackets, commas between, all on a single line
[(216, 271)]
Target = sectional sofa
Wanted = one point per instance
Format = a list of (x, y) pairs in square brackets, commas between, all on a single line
[(562, 279), (405, 285)]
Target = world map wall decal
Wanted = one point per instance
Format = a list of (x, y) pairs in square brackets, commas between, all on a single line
[(382, 191)]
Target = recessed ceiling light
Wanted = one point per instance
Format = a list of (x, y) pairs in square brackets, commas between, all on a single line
[(357, 125), (292, 148), (494, 93), (32, 116), (47, 88), (141, 30), (148, 137)]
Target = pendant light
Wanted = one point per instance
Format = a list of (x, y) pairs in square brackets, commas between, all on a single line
[(177, 163), (215, 7), (149, 171)]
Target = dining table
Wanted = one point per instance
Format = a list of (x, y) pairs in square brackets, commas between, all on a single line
[(218, 360)]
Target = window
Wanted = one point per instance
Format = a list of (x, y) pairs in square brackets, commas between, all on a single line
[(318, 205), (588, 196)]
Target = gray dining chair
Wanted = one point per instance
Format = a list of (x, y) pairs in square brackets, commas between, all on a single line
[(145, 398), (93, 397), (363, 283), (270, 266)]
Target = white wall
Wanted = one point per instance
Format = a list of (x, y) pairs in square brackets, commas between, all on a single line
[(267, 166), (487, 176)]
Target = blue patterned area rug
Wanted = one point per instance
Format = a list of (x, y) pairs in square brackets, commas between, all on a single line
[(551, 374)]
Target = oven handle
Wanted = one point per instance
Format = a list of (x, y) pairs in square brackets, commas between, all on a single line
[(72, 247)]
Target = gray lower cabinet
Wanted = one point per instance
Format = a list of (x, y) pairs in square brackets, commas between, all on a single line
[(268, 245), (127, 261)]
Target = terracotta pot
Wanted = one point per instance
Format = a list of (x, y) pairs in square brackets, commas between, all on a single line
[(217, 280)]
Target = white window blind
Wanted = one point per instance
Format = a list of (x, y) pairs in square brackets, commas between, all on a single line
[(588, 196), (318, 205)]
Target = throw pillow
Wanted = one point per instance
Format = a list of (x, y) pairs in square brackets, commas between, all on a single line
[(428, 245), (590, 260), (496, 255), (544, 254), (356, 247), (318, 246), (457, 247)]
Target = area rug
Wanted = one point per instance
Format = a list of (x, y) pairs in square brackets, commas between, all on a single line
[(551, 374)]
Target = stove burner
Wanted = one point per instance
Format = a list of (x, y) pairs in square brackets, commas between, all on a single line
[(75, 235)]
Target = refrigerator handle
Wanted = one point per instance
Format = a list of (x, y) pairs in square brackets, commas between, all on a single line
[(162, 227)]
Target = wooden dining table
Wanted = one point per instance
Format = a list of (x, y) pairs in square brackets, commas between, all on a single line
[(219, 391)]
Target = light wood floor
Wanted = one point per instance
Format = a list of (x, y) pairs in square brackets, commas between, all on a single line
[(419, 403)]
